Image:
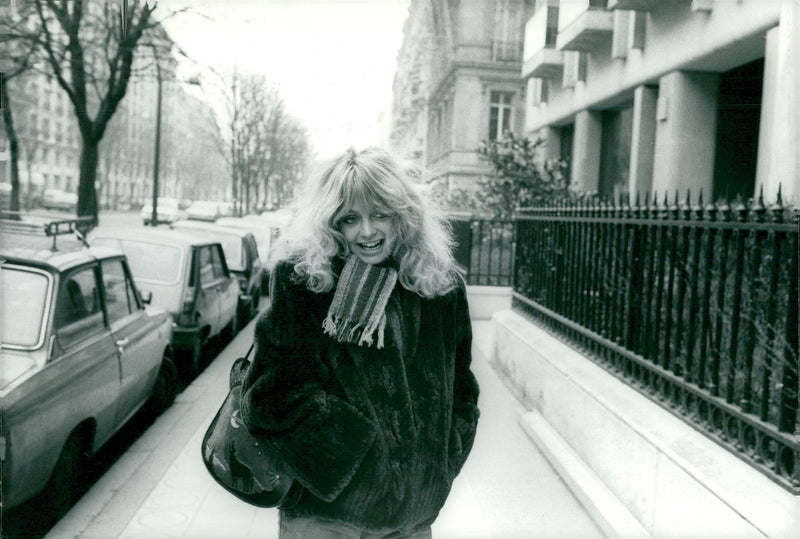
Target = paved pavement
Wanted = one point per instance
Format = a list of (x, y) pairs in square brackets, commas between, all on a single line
[(160, 488)]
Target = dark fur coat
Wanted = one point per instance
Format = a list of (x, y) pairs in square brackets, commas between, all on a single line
[(375, 437)]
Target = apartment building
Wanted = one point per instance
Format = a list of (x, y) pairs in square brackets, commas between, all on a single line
[(191, 162), (651, 96), (458, 83), (49, 143)]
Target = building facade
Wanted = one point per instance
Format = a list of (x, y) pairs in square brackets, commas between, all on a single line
[(458, 83), (642, 96)]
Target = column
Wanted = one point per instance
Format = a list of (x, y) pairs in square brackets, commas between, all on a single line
[(643, 140), (686, 126), (779, 131), (586, 151)]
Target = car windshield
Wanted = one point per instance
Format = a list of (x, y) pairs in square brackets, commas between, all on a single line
[(24, 296), (148, 261)]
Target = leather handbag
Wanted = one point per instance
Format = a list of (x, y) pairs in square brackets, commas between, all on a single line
[(237, 460)]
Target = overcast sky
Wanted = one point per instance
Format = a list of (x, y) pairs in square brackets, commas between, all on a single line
[(334, 60)]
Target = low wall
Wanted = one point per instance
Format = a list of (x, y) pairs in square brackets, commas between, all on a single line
[(671, 479), (484, 301)]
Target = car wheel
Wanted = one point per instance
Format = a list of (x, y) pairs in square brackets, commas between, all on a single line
[(164, 390), (64, 486), (189, 361)]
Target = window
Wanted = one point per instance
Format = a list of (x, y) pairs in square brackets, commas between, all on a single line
[(499, 114), (22, 311), (78, 314), (207, 265), (217, 262), (507, 42), (119, 293)]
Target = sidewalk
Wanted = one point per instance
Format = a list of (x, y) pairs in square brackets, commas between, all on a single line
[(160, 487)]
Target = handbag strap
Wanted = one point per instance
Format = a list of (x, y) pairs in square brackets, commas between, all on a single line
[(239, 369)]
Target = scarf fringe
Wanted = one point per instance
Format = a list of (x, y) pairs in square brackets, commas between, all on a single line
[(375, 284)]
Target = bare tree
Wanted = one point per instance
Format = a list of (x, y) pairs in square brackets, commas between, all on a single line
[(267, 144), (19, 57), (89, 49)]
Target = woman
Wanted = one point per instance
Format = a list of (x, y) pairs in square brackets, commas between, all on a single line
[(360, 381)]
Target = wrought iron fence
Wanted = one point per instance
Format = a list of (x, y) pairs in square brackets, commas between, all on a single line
[(484, 250), (693, 305)]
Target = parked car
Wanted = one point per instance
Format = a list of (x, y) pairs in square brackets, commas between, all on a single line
[(56, 199), (262, 233), (81, 355), (241, 255), (204, 210), (187, 276), (168, 210)]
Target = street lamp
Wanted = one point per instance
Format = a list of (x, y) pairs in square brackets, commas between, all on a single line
[(157, 152)]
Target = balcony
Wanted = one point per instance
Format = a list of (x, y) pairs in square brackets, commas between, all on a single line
[(584, 26), (541, 58), (634, 5)]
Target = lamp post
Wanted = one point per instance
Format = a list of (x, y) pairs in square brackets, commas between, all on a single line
[(157, 151)]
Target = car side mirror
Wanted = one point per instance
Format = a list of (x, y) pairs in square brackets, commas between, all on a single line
[(147, 297)]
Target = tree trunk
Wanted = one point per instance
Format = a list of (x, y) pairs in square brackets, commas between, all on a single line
[(87, 197), (13, 145)]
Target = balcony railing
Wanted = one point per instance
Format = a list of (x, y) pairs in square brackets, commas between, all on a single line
[(695, 306)]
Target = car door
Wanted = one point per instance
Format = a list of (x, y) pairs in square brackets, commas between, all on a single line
[(227, 287), (82, 376), (135, 336), (208, 298)]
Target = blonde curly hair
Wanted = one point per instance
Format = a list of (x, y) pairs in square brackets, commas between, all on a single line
[(312, 240)]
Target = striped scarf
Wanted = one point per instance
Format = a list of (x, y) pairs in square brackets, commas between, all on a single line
[(359, 302)]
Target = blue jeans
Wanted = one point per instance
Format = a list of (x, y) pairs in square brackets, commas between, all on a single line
[(307, 528)]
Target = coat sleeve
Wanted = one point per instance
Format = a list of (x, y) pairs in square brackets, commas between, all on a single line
[(465, 390), (286, 397)]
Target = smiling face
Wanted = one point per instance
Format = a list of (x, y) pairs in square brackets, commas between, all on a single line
[(369, 231)]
